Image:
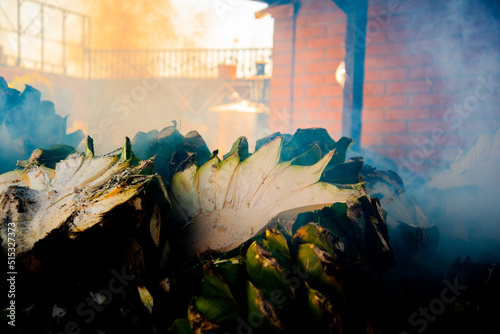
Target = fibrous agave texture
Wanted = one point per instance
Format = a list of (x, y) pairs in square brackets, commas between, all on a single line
[(221, 204), (82, 191)]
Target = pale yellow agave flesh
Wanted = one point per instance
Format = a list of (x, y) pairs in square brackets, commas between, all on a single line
[(77, 195), (221, 204)]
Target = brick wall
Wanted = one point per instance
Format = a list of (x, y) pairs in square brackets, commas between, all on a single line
[(318, 51), (431, 74)]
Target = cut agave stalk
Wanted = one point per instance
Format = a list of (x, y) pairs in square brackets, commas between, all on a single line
[(84, 190), (224, 203)]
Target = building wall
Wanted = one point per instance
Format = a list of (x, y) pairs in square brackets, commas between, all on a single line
[(319, 50), (431, 74)]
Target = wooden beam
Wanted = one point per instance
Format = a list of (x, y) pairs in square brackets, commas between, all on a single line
[(355, 44)]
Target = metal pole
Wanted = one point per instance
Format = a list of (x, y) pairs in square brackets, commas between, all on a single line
[(41, 39), (355, 41)]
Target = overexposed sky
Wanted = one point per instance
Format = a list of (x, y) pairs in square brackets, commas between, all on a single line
[(228, 23), (232, 25)]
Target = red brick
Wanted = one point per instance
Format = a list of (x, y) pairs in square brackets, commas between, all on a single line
[(306, 104), (308, 79), (371, 140), (335, 29), (327, 17), (281, 12), (310, 31), (391, 152), (430, 99), (279, 104), (301, 44), (386, 74), (298, 115), (439, 112), (409, 60), (310, 55), (283, 35), (383, 127), (283, 24), (302, 20), (278, 93), (334, 129), (334, 103), (406, 140), (374, 62), (429, 126), (282, 58), (335, 53), (404, 32), (279, 124), (420, 86), (324, 91), (322, 66), (281, 70), (313, 7), (385, 101), (387, 48), (299, 92), (301, 68), (280, 82), (373, 114), (325, 42), (282, 47), (376, 37), (330, 78), (325, 115), (373, 88), (407, 113)]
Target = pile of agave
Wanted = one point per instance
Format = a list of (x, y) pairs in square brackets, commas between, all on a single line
[(165, 236), (256, 242)]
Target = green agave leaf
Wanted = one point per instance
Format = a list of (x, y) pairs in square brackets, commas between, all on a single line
[(309, 158), (320, 269), (240, 147), (216, 310), (181, 326), (48, 157), (321, 312), (343, 173), (276, 243), (194, 143), (265, 271), (213, 284), (259, 307), (314, 234), (200, 323)]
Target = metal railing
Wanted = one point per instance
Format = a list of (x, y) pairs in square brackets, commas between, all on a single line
[(35, 33), (42, 37), (180, 63)]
